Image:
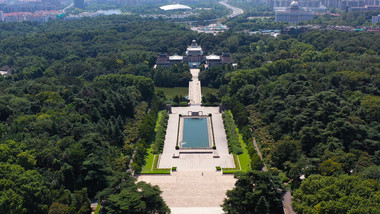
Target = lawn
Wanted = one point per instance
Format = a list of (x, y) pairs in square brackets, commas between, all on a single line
[(98, 208), (207, 90), (150, 166), (171, 92), (183, 91), (244, 159), (148, 162)]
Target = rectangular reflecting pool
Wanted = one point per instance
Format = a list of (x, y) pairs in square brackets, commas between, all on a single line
[(195, 133)]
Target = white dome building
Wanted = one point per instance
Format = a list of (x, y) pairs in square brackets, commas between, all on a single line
[(294, 4), (293, 14), (175, 7)]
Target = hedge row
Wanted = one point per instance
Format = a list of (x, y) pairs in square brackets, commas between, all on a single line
[(160, 129), (234, 145)]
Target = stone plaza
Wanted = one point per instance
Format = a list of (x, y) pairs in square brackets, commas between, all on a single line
[(196, 186)]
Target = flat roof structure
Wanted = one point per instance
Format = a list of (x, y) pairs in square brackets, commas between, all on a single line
[(176, 57), (175, 7), (212, 57)]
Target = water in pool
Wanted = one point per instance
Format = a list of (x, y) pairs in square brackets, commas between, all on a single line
[(195, 133)]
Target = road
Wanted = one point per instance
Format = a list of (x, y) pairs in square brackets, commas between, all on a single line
[(64, 10), (287, 203), (235, 11), (287, 198), (260, 155)]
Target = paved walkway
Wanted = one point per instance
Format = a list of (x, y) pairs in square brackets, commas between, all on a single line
[(196, 187), (287, 203), (195, 95), (192, 189), (200, 161), (197, 210), (260, 155)]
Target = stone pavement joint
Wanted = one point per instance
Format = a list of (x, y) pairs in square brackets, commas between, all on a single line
[(192, 189)]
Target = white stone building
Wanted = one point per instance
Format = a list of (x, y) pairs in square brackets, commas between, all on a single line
[(293, 14)]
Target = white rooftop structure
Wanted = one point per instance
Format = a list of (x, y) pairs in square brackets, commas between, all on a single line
[(175, 57), (194, 49), (212, 57), (294, 4), (293, 14), (175, 7)]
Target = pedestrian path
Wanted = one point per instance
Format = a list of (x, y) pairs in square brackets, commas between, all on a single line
[(192, 189), (196, 186), (195, 95)]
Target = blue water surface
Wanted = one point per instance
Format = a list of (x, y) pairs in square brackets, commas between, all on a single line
[(195, 133)]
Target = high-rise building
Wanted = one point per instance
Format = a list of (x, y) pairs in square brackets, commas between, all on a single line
[(293, 14), (79, 4), (375, 19)]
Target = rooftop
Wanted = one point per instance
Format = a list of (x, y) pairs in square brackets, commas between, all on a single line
[(175, 7), (175, 57), (294, 4), (213, 57)]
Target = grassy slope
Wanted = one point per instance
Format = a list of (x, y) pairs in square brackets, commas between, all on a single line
[(207, 90), (171, 92)]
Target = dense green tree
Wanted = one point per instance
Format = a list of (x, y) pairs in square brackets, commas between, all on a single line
[(58, 208), (22, 191), (285, 150), (343, 194), (123, 195), (255, 191), (262, 206)]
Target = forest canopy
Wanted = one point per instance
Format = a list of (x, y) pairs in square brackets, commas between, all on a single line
[(80, 102)]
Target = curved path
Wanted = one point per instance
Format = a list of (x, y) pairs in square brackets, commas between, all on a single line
[(287, 198), (235, 11)]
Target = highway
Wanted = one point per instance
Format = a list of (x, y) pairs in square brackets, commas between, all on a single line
[(235, 11), (64, 10)]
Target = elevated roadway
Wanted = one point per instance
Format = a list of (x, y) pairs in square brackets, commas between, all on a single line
[(235, 11)]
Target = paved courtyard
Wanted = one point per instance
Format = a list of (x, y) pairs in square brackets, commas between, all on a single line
[(184, 189), (199, 161), (196, 187)]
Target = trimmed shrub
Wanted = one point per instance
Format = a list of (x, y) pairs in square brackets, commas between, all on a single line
[(234, 145), (160, 129)]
